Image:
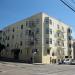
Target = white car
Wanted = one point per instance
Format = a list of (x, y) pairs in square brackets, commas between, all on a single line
[(67, 61)]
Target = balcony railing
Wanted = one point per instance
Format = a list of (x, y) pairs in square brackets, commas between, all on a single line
[(30, 24), (60, 52), (59, 35), (59, 43)]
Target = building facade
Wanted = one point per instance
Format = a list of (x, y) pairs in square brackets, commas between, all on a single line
[(39, 38)]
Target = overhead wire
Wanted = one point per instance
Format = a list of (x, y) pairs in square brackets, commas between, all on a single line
[(68, 4)]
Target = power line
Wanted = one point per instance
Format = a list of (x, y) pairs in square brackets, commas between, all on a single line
[(69, 6)]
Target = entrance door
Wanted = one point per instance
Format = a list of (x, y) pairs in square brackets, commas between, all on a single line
[(16, 55)]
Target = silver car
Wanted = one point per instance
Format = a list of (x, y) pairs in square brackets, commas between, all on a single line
[(67, 61), (72, 62)]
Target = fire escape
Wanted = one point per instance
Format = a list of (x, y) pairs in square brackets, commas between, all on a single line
[(59, 43), (32, 40)]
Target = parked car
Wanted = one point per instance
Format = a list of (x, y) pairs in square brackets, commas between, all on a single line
[(60, 62), (67, 61), (72, 62)]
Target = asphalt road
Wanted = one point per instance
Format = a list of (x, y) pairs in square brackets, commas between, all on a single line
[(9, 68)]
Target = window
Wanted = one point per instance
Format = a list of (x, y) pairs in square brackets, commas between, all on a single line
[(58, 43), (30, 23), (36, 40), (50, 30), (13, 30), (69, 45), (37, 30), (8, 38), (21, 35), (47, 30), (62, 28), (58, 26), (48, 51), (69, 30), (47, 40), (12, 36), (66, 57), (69, 37), (46, 20), (26, 23), (50, 40), (7, 45), (34, 50), (31, 42), (37, 21), (63, 43), (58, 34), (22, 26), (20, 43), (0, 38), (53, 54), (50, 21), (28, 32)]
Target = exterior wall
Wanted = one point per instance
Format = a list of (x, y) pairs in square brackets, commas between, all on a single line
[(54, 56), (20, 35), (73, 49), (46, 44)]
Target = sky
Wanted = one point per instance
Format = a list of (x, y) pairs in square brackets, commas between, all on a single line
[(12, 11)]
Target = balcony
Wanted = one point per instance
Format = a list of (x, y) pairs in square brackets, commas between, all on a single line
[(60, 52), (59, 35), (30, 24), (59, 43), (69, 53), (31, 41), (69, 30), (69, 38)]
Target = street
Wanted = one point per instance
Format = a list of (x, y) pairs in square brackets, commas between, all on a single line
[(11, 68)]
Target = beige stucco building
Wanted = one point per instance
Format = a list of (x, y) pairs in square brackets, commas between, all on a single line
[(39, 38)]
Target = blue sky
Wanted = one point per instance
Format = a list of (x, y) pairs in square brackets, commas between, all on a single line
[(15, 10)]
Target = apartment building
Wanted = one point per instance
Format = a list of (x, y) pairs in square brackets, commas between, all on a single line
[(39, 39)]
